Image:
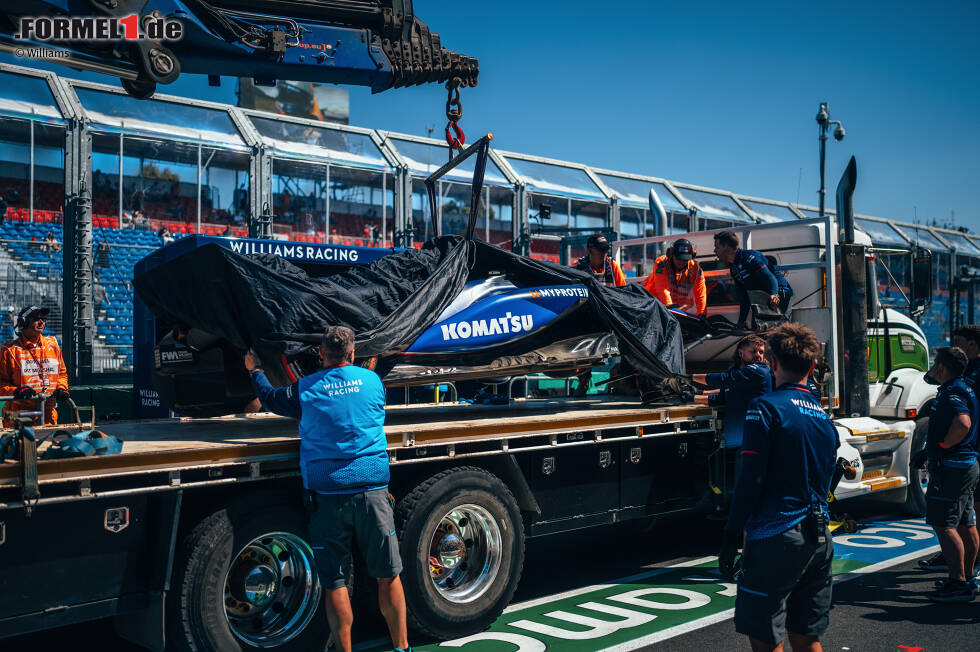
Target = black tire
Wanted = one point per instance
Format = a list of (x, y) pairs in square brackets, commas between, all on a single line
[(419, 514), (197, 619), (140, 88), (915, 500)]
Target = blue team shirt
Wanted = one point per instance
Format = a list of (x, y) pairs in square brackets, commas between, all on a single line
[(953, 398), (341, 412), (972, 373), (753, 271), (789, 451), (738, 385)]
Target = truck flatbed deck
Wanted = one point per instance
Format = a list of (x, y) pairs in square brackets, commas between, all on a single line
[(180, 452)]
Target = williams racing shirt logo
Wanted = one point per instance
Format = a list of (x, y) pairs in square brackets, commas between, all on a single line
[(507, 324), (342, 387), (809, 408)]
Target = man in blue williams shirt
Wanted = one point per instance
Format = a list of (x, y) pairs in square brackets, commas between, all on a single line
[(344, 462), (751, 270), (748, 377), (968, 338), (951, 456), (789, 451)]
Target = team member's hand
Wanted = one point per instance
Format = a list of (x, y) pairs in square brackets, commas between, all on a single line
[(62, 394), (701, 399), (727, 554), (774, 301), (252, 361), (919, 459), (24, 392)]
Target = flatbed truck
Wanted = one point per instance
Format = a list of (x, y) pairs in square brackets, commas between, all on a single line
[(194, 536)]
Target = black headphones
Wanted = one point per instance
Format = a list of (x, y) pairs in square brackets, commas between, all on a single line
[(670, 252), (27, 312)]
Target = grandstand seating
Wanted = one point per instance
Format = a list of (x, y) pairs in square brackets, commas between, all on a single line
[(25, 242)]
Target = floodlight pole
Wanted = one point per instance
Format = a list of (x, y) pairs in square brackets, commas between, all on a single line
[(823, 119)]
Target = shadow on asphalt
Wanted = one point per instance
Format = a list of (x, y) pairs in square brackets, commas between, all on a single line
[(898, 596), (572, 560)]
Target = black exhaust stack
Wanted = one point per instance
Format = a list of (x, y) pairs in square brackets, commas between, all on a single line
[(854, 301)]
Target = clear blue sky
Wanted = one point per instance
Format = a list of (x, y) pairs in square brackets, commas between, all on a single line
[(717, 94)]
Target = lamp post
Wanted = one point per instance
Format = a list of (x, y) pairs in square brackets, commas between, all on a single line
[(824, 121)]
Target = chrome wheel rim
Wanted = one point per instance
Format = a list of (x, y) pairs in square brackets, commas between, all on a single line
[(272, 589), (465, 553)]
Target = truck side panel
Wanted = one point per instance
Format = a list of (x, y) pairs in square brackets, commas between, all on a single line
[(84, 559), (610, 481)]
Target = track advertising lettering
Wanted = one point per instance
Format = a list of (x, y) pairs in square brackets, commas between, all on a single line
[(640, 610)]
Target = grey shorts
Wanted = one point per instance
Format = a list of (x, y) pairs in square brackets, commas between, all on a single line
[(786, 584), (366, 517), (949, 498)]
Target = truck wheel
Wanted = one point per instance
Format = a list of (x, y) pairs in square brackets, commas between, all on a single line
[(915, 501), (462, 541), (247, 581)]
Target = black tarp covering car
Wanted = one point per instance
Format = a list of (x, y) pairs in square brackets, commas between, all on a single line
[(220, 303)]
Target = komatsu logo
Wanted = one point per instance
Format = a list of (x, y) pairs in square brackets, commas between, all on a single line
[(509, 323)]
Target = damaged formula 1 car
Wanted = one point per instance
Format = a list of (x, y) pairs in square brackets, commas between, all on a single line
[(457, 309)]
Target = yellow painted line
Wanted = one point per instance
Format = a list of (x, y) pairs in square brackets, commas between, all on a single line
[(878, 435), (878, 485)]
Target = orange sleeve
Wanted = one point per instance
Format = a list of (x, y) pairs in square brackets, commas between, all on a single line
[(700, 291), (661, 284), (62, 371), (8, 367), (619, 278), (648, 284)]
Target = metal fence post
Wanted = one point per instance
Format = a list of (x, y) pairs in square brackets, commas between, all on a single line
[(77, 300)]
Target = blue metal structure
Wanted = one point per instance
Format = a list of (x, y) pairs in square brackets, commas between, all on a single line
[(380, 44)]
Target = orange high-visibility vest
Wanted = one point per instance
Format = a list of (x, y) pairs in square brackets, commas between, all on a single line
[(36, 364), (685, 288)]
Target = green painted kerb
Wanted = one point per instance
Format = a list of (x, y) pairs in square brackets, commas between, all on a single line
[(612, 614)]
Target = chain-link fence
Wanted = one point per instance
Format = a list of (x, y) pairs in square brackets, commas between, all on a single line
[(34, 277), (22, 289)]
